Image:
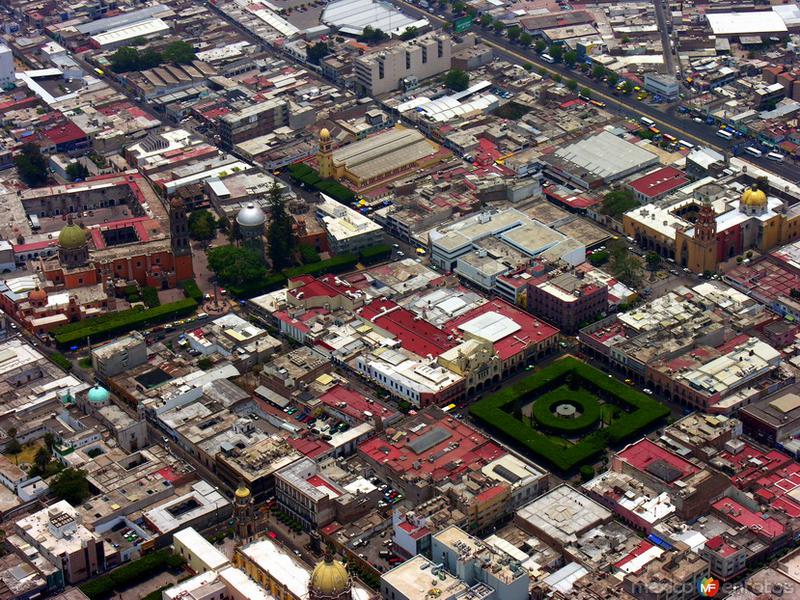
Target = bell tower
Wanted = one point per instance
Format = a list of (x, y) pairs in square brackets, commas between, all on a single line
[(179, 239), (325, 154), (703, 252)]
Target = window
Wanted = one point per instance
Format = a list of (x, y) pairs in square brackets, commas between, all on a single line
[(424, 55), (408, 60)]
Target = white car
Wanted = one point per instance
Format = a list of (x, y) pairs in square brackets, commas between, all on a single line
[(648, 391)]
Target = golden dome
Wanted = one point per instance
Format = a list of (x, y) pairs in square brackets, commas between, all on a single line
[(72, 237), (324, 134), (754, 197), (329, 578), (242, 491)]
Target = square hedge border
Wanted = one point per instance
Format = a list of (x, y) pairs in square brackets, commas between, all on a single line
[(494, 411)]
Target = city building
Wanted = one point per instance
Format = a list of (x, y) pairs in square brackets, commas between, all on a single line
[(657, 184), (58, 535), (665, 86), (200, 554), (379, 158), (675, 574), (419, 578), (7, 66), (568, 300), (403, 66), (120, 355), (774, 420), (347, 230), (253, 121), (561, 515)]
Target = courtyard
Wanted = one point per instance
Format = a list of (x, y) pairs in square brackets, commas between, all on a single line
[(568, 413)]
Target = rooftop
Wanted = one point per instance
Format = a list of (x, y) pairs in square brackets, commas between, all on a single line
[(415, 334), (563, 514), (659, 182)]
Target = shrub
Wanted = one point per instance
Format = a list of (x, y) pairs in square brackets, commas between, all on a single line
[(308, 254), (130, 574), (191, 290), (61, 360), (112, 324), (375, 254), (587, 405), (150, 296), (598, 258), (643, 412)]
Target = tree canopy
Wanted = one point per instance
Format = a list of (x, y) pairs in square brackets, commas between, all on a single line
[(235, 265), (457, 80), (280, 230), (77, 170), (31, 165), (202, 225), (178, 52), (410, 33), (371, 35), (625, 265), (616, 202), (127, 59), (70, 485), (316, 52)]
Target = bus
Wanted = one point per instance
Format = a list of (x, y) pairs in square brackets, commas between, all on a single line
[(648, 122), (776, 156), (670, 138), (655, 130), (597, 103), (686, 144), (547, 58), (754, 152), (725, 135), (448, 408)]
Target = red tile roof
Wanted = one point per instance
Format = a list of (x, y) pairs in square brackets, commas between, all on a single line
[(532, 330), (660, 181), (415, 334), (64, 133), (644, 453), (759, 523), (351, 403)]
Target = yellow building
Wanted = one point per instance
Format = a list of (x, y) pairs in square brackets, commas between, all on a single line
[(377, 159), (704, 230)]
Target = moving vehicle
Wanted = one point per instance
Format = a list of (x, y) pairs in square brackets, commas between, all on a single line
[(725, 135), (754, 152), (648, 122), (776, 156), (686, 144), (547, 58)]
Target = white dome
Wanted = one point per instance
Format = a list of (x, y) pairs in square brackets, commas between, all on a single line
[(251, 216)]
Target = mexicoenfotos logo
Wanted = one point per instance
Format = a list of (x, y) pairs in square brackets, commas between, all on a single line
[(708, 587)]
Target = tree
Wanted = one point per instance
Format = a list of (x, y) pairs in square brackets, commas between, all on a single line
[(557, 77), (42, 459), (528, 66), (525, 38), (571, 84), (371, 35), (570, 58), (410, 33), (613, 78), (235, 265), (653, 260), (77, 170), (127, 59), (625, 266), (457, 80), (70, 485), (586, 92), (178, 53), (202, 225), (616, 202), (540, 46), (587, 472), (499, 26), (13, 446), (513, 33), (31, 165), (280, 230), (627, 87), (541, 71), (556, 51), (49, 441), (598, 71), (486, 21), (316, 52)]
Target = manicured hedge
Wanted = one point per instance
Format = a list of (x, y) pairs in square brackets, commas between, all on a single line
[(588, 406), (643, 412), (304, 174), (337, 264), (191, 290), (150, 296), (116, 323), (375, 254), (61, 360), (133, 573)]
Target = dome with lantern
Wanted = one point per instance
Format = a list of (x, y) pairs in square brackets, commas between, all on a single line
[(754, 200), (98, 395), (330, 579), (72, 237)]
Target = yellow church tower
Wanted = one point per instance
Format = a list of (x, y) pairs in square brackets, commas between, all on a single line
[(325, 155)]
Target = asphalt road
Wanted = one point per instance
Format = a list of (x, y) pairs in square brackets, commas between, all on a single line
[(665, 117), (666, 43)]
